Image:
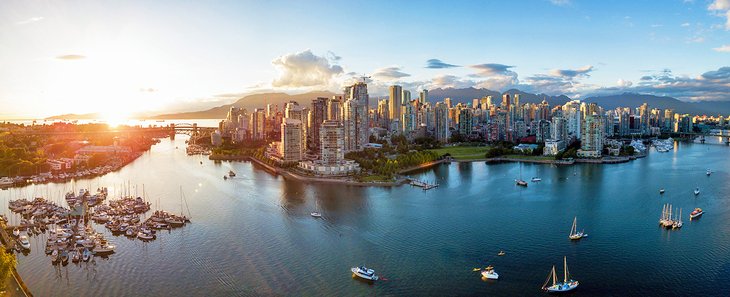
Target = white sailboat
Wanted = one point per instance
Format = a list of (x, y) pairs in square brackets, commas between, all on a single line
[(520, 181), (316, 213), (574, 234), (566, 285)]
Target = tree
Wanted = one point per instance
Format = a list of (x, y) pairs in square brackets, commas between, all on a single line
[(7, 264)]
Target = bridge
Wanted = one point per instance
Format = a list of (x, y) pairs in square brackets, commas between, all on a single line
[(724, 136), (171, 130)]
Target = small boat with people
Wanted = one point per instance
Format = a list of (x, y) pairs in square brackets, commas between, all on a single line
[(574, 234), (364, 273), (567, 284), (489, 273), (698, 212)]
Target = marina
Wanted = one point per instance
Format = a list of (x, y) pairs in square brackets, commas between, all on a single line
[(259, 225)]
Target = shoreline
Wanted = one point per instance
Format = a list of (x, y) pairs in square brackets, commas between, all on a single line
[(404, 180)]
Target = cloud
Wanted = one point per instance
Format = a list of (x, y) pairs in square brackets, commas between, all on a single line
[(712, 85), (685, 25), (333, 57), (304, 69), (571, 73), (438, 64), (148, 90), (490, 69), (656, 25), (450, 81), (624, 83), (699, 39), (71, 57), (723, 49), (30, 20), (722, 8), (560, 2), (389, 73)]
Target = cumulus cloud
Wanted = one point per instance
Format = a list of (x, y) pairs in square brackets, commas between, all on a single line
[(71, 57), (684, 25), (30, 20), (624, 83), (304, 69), (723, 49), (722, 8), (438, 64), (571, 73), (389, 73)]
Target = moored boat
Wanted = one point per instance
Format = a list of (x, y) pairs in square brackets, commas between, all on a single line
[(574, 234), (364, 273), (24, 242), (568, 284), (520, 182), (696, 213)]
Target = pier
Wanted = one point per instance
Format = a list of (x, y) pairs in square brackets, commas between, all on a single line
[(425, 185)]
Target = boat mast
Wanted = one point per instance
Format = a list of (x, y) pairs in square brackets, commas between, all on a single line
[(554, 276), (565, 269)]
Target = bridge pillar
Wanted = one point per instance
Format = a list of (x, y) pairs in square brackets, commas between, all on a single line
[(172, 131), (195, 128)]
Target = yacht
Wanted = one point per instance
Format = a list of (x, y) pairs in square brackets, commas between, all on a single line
[(697, 191), (24, 242), (489, 273), (696, 213), (574, 234), (364, 273), (566, 285)]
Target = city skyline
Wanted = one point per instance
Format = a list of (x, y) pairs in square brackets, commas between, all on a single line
[(63, 58)]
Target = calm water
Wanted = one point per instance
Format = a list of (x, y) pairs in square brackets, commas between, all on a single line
[(253, 235)]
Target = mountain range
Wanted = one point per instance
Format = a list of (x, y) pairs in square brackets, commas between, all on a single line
[(464, 95)]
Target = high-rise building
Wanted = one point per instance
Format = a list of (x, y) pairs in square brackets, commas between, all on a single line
[(257, 125), (405, 97), (447, 101), (466, 122), (334, 108), (644, 116), (318, 116), (332, 142), (290, 148), (441, 122), (423, 96), (355, 117), (592, 136), (559, 129), (395, 100)]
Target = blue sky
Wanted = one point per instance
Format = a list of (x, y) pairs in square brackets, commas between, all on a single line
[(85, 56)]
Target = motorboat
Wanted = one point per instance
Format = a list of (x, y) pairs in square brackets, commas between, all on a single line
[(697, 191), (536, 179), (661, 191), (567, 284), (75, 256), (64, 257), (489, 273), (574, 234), (709, 172), (316, 214), (24, 242), (145, 235), (520, 182), (364, 273), (501, 253), (696, 213), (16, 232), (104, 249)]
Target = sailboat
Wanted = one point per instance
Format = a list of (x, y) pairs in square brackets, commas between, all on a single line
[(519, 181), (566, 285), (678, 221), (574, 234)]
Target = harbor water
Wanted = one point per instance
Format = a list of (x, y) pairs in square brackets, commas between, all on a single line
[(252, 235)]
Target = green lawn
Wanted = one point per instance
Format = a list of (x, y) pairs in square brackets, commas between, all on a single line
[(463, 152)]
